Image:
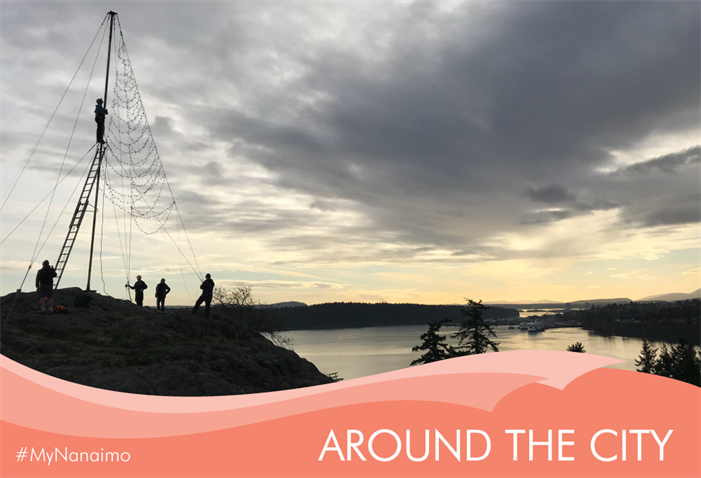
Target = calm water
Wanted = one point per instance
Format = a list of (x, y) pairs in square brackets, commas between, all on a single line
[(355, 353)]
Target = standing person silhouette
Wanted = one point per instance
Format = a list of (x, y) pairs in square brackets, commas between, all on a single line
[(100, 112), (45, 287), (206, 296), (139, 286), (162, 290)]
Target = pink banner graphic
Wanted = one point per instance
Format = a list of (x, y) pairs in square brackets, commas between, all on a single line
[(530, 413)]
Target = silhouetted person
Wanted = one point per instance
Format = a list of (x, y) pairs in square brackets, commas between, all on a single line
[(139, 286), (100, 112), (45, 287), (162, 290), (206, 296)]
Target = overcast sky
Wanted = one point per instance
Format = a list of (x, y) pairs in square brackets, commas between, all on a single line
[(378, 151)]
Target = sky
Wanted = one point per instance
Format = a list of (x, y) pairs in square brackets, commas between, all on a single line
[(420, 152)]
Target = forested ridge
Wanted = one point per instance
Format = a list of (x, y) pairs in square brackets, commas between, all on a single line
[(667, 321), (340, 315)]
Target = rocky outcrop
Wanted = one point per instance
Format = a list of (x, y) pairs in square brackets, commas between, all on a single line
[(116, 345)]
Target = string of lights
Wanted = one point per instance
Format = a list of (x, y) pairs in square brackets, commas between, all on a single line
[(140, 188)]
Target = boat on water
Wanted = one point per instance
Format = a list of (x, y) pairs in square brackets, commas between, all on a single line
[(523, 326)]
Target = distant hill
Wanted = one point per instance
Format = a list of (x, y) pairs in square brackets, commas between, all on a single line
[(281, 305), (673, 296), (341, 315), (577, 304), (599, 302)]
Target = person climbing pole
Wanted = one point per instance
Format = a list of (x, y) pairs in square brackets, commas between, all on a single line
[(162, 290), (206, 296), (45, 287), (100, 113), (139, 287)]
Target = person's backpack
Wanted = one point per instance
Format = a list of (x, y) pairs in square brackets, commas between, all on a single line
[(60, 309)]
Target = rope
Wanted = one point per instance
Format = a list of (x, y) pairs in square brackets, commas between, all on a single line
[(102, 236), (56, 222), (59, 180), (126, 260), (144, 169), (36, 253), (66, 205), (199, 275), (121, 246), (26, 162), (181, 221), (47, 195), (130, 153), (180, 264), (52, 228)]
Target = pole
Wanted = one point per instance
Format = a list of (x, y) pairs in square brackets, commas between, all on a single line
[(102, 153)]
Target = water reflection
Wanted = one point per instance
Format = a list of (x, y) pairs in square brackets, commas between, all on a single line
[(355, 353)]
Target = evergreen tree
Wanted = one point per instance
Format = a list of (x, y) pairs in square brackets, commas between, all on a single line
[(664, 365), (685, 363), (474, 333), (647, 359), (576, 347), (434, 345)]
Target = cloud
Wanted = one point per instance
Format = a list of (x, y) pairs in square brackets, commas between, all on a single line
[(637, 274), (278, 284), (553, 194), (669, 163), (688, 211), (399, 132), (547, 216)]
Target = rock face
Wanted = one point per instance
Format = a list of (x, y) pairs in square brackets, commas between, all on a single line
[(118, 346)]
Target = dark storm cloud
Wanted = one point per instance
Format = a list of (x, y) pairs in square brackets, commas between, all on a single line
[(439, 128), (445, 127), (667, 210), (171, 140), (324, 205), (565, 204), (687, 212), (658, 192), (547, 216), (596, 205), (550, 194), (162, 127), (214, 174), (668, 163)]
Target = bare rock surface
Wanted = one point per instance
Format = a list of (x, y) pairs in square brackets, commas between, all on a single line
[(118, 346)]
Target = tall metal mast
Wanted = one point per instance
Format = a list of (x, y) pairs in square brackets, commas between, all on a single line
[(102, 152), (93, 179)]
